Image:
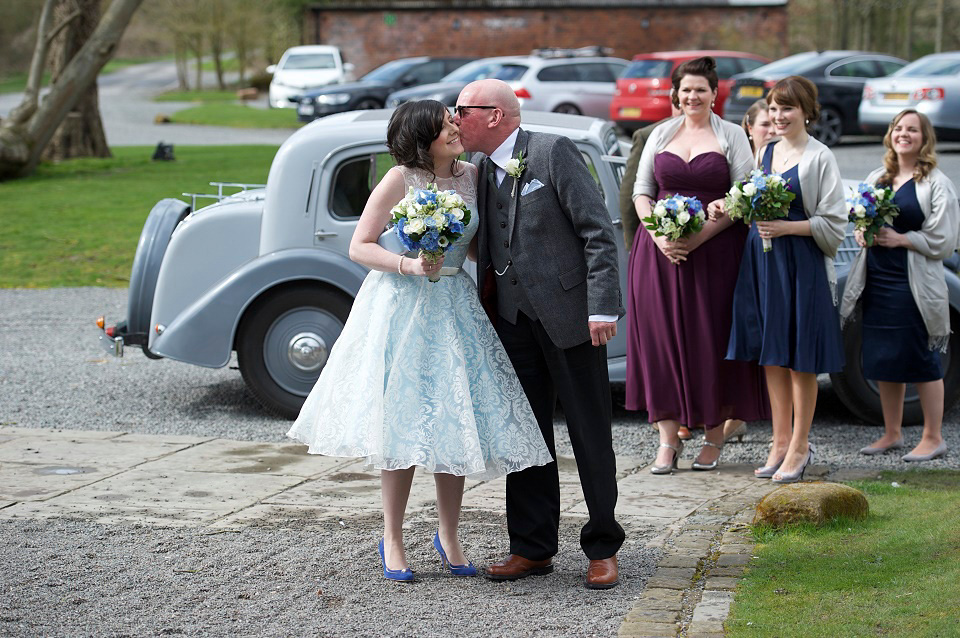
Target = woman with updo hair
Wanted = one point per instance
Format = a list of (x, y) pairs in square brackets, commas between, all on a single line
[(785, 315), (680, 293), (900, 280), (757, 125)]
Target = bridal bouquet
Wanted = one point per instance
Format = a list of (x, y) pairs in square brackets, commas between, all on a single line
[(675, 217), (760, 197), (870, 207), (429, 220)]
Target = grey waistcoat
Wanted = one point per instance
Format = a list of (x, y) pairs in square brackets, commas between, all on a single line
[(511, 297)]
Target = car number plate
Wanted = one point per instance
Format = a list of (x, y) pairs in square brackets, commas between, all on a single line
[(305, 109), (630, 112), (896, 96), (750, 91)]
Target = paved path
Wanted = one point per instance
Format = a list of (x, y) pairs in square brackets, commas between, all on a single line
[(691, 521)]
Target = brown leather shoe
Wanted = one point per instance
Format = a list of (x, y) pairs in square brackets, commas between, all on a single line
[(603, 573), (515, 567)]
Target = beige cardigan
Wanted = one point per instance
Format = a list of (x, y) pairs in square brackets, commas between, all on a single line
[(934, 242), (823, 201), (733, 143)]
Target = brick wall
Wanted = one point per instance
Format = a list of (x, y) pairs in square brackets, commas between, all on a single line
[(370, 38)]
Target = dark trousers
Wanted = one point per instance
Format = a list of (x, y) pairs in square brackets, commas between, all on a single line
[(579, 375)]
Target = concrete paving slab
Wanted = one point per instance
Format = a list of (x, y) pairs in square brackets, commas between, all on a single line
[(175, 489), (638, 504), (350, 487), (47, 434), (110, 514), (114, 452), (242, 457), (29, 482)]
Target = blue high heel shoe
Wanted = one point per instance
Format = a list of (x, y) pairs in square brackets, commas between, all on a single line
[(402, 575), (456, 570)]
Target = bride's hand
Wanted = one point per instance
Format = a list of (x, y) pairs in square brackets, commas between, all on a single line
[(422, 266)]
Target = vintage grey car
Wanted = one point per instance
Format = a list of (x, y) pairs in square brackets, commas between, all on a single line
[(264, 271)]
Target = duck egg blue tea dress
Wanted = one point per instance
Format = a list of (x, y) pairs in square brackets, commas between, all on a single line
[(418, 377), (783, 310), (894, 336)]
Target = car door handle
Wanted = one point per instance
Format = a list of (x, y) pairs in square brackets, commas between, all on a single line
[(323, 234)]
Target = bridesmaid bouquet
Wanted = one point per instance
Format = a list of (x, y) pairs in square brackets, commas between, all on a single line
[(760, 197), (430, 220), (870, 207), (675, 217)]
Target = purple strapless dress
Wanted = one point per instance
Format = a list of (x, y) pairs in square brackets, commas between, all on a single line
[(679, 316)]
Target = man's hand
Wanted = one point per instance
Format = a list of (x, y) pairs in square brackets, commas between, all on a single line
[(602, 331)]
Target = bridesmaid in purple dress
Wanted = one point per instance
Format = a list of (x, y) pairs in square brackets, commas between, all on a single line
[(680, 294)]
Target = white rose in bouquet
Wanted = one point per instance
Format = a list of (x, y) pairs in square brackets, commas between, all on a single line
[(659, 210), (414, 225), (457, 214), (735, 193), (683, 217), (859, 210), (749, 189)]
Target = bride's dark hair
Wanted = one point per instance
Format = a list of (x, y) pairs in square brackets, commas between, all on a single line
[(412, 129)]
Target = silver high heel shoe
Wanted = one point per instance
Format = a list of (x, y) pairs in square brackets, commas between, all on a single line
[(872, 451), (767, 471), (703, 467), (736, 433), (795, 476), (666, 469)]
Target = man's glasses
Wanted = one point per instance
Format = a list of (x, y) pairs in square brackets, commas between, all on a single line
[(460, 109)]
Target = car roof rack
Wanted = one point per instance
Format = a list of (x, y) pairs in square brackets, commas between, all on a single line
[(595, 51)]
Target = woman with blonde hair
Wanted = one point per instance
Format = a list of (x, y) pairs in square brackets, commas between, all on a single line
[(900, 280), (784, 306)]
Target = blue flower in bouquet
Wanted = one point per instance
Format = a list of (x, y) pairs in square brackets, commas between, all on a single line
[(430, 221), (869, 208), (429, 242), (675, 217), (759, 197)]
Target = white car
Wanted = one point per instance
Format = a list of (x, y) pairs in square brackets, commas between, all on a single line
[(304, 68)]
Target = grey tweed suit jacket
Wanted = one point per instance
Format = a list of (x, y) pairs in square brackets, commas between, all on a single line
[(561, 239)]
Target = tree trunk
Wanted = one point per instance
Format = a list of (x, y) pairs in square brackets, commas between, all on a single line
[(31, 125), (938, 37), (182, 62), (81, 132)]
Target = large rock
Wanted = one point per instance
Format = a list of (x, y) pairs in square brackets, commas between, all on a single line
[(812, 503)]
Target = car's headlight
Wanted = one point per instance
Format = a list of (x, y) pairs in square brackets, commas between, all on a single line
[(333, 98), (393, 102)]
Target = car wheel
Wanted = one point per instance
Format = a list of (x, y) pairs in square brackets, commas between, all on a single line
[(569, 109), (860, 395), (284, 341), (829, 127), (367, 104)]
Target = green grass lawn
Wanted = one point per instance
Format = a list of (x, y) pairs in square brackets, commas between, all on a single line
[(895, 574), (15, 82), (237, 115), (211, 95), (77, 223)]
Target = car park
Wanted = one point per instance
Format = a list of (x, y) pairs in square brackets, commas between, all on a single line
[(304, 68), (371, 91), (931, 85), (448, 88), (642, 95), (839, 76), (264, 272)]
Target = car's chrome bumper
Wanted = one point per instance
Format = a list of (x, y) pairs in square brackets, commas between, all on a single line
[(113, 345)]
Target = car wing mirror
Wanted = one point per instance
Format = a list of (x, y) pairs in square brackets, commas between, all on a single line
[(272, 69)]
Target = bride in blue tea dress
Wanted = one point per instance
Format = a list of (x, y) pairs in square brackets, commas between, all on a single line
[(418, 377)]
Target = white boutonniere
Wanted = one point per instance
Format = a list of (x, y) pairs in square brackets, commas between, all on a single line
[(514, 168)]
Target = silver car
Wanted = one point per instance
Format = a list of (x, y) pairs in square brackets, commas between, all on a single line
[(931, 85)]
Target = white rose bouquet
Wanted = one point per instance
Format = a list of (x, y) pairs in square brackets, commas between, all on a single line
[(760, 197), (870, 208), (675, 217), (429, 221)]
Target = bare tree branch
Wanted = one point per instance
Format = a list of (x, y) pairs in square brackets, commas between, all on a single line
[(63, 25)]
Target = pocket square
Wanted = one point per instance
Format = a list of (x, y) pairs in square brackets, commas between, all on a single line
[(531, 186)]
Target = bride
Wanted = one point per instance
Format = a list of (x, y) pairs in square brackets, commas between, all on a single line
[(418, 377)]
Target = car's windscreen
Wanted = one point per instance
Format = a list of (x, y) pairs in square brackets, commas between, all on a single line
[(936, 66), (510, 72), (790, 65), (302, 61), (473, 72), (648, 69), (388, 72)]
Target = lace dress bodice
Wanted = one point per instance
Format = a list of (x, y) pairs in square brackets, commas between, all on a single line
[(465, 184)]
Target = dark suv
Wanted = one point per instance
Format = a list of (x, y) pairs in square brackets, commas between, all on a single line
[(839, 76), (371, 91)]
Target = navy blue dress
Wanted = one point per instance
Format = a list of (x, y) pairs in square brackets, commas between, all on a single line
[(895, 345), (783, 312)]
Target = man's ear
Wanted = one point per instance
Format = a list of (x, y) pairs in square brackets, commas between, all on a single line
[(495, 118)]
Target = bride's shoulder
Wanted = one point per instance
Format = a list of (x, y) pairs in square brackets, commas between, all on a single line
[(466, 167)]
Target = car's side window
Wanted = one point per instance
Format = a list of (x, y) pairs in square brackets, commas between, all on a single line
[(559, 73), (749, 64), (855, 69), (616, 68), (595, 72), (726, 67), (889, 66), (425, 73), (354, 180), (593, 171)]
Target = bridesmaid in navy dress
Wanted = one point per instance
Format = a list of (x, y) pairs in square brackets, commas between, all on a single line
[(784, 305), (680, 293), (904, 334)]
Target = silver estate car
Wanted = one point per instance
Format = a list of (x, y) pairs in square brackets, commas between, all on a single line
[(931, 85), (264, 271)]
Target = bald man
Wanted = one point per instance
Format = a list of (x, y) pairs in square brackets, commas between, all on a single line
[(547, 272)]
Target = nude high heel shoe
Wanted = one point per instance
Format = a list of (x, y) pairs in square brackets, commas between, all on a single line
[(794, 476)]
